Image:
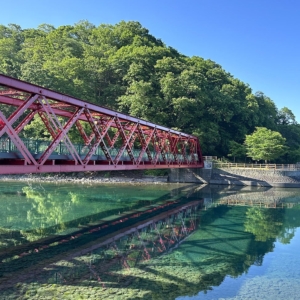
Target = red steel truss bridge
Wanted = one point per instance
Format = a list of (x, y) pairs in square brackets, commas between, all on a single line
[(110, 140)]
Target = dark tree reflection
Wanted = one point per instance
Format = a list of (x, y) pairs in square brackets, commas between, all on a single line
[(264, 223)]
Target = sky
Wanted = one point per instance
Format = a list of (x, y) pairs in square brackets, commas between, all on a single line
[(256, 41)]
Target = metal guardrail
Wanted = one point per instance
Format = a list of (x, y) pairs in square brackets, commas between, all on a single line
[(257, 166), (39, 146)]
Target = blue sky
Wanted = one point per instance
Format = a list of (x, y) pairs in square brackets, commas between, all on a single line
[(257, 41)]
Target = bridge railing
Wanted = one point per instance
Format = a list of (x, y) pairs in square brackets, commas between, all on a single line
[(257, 166)]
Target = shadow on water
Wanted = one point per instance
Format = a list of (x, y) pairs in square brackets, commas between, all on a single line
[(162, 251)]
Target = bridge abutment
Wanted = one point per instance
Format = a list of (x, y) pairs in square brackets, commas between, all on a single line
[(190, 175)]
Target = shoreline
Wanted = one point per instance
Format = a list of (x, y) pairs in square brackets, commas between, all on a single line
[(87, 178), (218, 177)]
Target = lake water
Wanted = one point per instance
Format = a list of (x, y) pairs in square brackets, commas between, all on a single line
[(64, 241)]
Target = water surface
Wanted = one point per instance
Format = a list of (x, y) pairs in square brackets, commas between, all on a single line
[(148, 242)]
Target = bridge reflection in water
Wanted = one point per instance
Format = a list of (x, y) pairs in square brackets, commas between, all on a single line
[(117, 242), (180, 247), (127, 249)]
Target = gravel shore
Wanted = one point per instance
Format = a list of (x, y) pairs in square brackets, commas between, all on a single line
[(89, 177)]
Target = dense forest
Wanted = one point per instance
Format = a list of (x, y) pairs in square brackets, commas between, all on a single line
[(125, 68)]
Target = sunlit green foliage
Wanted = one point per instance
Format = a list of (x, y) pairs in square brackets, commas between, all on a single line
[(265, 144), (125, 68)]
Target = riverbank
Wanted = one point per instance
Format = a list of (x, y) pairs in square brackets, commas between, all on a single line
[(215, 176), (136, 177), (256, 177), (238, 177)]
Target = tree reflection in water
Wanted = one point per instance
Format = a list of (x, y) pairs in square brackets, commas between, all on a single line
[(35, 212), (166, 261), (264, 223)]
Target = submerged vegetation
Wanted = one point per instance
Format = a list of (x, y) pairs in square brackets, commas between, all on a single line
[(226, 242), (125, 68)]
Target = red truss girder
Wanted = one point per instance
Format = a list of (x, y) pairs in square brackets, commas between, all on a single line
[(110, 140)]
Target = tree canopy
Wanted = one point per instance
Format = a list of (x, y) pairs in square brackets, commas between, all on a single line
[(265, 144), (125, 68)]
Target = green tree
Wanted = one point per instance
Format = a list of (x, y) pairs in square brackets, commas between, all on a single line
[(286, 117), (125, 68), (265, 144), (236, 150), (11, 40), (291, 132)]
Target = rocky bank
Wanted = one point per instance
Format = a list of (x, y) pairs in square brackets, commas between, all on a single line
[(89, 177)]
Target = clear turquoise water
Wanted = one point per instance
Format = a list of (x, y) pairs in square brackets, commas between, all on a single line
[(270, 257), (29, 212), (202, 243), (277, 278)]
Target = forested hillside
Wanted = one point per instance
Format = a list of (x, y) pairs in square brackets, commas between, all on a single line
[(123, 67)]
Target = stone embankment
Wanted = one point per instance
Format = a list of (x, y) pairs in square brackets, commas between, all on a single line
[(237, 176), (136, 177), (256, 177)]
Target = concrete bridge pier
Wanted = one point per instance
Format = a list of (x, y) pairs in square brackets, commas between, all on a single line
[(190, 175)]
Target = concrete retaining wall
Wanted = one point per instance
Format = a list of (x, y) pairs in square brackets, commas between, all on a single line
[(190, 175), (237, 176), (260, 174)]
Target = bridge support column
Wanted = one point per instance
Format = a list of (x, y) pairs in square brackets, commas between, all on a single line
[(192, 175)]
